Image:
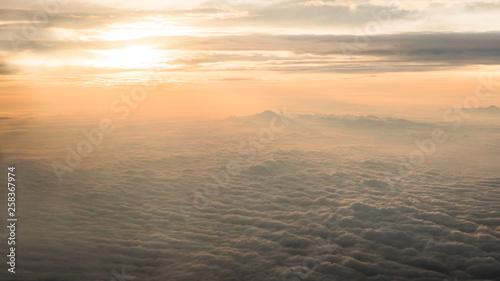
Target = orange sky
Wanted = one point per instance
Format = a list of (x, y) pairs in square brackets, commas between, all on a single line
[(235, 57)]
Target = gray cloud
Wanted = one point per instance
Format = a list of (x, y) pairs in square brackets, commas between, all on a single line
[(120, 207), (6, 69), (310, 53)]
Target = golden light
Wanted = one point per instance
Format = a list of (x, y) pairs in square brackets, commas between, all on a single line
[(138, 30), (129, 57)]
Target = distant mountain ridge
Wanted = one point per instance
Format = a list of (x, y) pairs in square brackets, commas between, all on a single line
[(325, 117), (350, 121), (487, 110)]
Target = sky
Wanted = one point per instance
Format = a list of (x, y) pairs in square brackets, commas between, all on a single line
[(311, 140), (234, 57)]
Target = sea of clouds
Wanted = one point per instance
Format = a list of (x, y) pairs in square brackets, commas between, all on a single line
[(304, 197)]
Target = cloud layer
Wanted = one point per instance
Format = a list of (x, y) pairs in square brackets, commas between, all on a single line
[(313, 201)]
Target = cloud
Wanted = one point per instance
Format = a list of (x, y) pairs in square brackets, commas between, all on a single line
[(5, 69), (311, 53), (483, 267), (300, 196), (303, 37)]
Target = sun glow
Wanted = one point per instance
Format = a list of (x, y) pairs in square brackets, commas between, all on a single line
[(129, 57), (138, 30)]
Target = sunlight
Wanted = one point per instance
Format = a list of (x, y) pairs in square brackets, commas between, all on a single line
[(130, 57), (137, 30)]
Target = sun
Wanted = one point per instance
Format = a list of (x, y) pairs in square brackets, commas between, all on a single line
[(129, 57)]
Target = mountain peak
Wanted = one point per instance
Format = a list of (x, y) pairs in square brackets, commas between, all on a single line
[(492, 109)]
